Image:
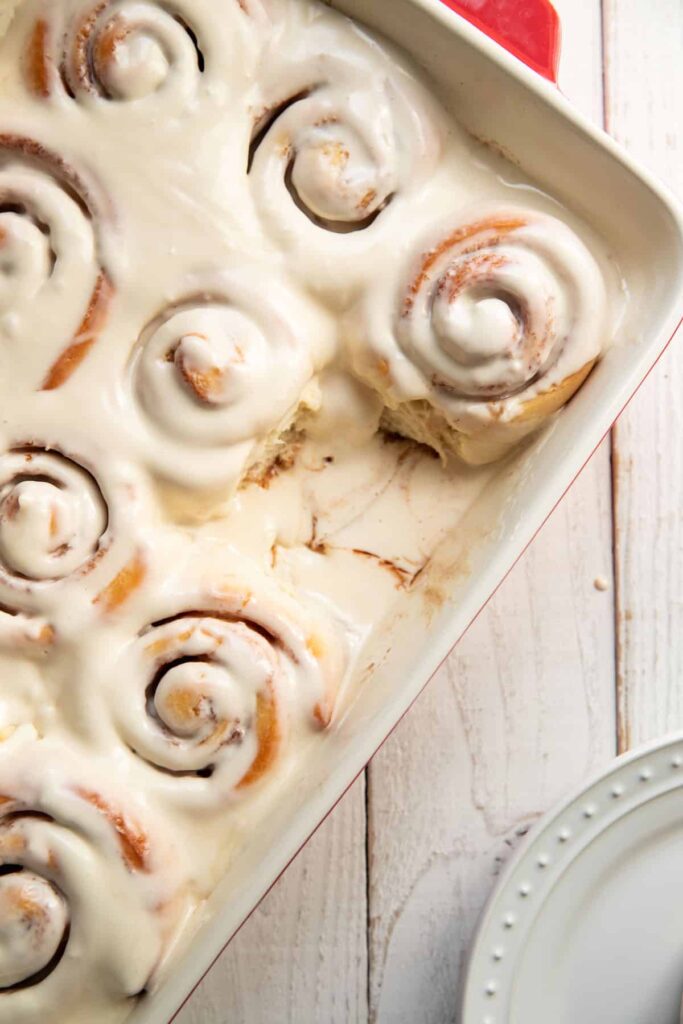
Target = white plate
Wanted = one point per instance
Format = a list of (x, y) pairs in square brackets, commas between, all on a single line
[(586, 925)]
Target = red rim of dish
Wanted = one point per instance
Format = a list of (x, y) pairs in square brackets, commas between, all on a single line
[(529, 29)]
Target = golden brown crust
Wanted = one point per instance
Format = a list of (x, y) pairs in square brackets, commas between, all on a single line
[(206, 385), (269, 738), (422, 422), (87, 334), (547, 402), (77, 66), (134, 843), (38, 69), (104, 50), (123, 586)]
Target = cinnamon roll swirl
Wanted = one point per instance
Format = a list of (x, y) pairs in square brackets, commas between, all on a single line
[(492, 329), (133, 55), (340, 142), (54, 288), (71, 856), (219, 378), (216, 688), (53, 517), (124, 51), (57, 529)]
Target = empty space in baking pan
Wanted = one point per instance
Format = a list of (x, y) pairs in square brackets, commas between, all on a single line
[(500, 103)]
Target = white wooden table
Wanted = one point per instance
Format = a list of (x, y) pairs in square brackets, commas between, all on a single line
[(372, 921)]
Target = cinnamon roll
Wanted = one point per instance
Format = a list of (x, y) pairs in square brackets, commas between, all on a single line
[(72, 855), (340, 142), (209, 695), (218, 379), (57, 528), (53, 516), (118, 50), (54, 288), (129, 52), (491, 330)]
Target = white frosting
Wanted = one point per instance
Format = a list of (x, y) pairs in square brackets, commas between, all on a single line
[(128, 52), (34, 917), (77, 856), (213, 690), (197, 201), (49, 265), (494, 311), (66, 544), (52, 516), (342, 140), (215, 375)]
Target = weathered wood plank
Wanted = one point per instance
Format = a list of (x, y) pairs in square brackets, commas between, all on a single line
[(301, 957), (644, 86)]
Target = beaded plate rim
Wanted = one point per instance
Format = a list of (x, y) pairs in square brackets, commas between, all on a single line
[(547, 852)]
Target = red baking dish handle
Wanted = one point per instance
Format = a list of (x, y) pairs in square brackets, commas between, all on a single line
[(530, 29)]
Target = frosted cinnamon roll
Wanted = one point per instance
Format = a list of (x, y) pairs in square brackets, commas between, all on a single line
[(117, 50), (54, 288), (210, 695), (341, 139), (490, 331), (219, 378), (57, 528), (88, 896), (53, 517)]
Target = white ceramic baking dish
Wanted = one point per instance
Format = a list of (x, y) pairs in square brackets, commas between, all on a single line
[(498, 99)]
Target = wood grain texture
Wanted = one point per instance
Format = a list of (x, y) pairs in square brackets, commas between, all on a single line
[(644, 87), (301, 957), (521, 712)]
